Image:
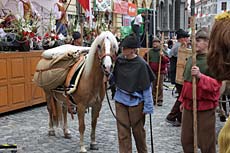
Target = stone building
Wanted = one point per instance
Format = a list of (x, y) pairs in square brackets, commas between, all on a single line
[(172, 15), (207, 9)]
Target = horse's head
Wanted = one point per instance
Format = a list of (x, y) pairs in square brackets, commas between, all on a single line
[(107, 50)]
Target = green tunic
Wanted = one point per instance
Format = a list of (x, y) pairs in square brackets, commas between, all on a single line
[(201, 62)]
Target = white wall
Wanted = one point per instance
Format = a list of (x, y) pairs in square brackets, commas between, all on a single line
[(219, 5)]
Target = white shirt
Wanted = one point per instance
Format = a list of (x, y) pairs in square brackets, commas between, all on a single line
[(57, 13), (21, 9), (138, 20)]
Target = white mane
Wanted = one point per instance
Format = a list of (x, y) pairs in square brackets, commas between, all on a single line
[(98, 41)]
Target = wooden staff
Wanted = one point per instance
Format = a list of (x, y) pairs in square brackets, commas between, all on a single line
[(159, 67), (147, 46), (193, 20), (61, 18)]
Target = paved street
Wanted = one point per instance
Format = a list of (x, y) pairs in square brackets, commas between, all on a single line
[(28, 129)]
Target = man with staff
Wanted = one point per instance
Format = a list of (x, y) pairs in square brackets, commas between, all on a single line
[(154, 58), (207, 98)]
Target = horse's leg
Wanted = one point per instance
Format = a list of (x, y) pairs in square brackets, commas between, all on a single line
[(81, 123), (95, 114), (66, 131), (51, 131)]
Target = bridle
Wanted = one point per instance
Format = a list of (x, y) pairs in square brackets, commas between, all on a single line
[(103, 55)]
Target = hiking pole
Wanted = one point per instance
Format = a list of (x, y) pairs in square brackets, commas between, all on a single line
[(147, 46), (159, 67), (193, 20)]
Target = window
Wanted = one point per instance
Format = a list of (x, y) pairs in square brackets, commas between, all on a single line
[(224, 6)]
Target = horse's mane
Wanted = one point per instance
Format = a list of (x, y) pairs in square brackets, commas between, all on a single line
[(98, 41)]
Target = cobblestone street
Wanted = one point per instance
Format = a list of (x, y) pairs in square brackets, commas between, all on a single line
[(29, 128)]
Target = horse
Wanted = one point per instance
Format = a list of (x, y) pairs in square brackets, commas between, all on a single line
[(90, 91)]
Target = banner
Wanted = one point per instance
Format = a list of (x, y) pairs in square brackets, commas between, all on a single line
[(126, 20), (132, 9), (120, 7), (84, 4), (103, 5)]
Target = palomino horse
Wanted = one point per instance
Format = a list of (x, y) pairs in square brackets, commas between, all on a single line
[(91, 88)]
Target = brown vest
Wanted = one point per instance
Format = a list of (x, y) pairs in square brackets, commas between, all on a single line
[(61, 8), (27, 10)]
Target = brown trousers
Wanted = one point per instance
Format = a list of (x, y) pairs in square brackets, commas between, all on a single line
[(206, 133), (175, 113), (133, 118), (160, 88)]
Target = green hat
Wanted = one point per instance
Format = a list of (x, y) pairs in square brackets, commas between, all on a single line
[(203, 33), (155, 39)]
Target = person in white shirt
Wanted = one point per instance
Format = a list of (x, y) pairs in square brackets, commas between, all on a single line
[(61, 17), (26, 10), (138, 20)]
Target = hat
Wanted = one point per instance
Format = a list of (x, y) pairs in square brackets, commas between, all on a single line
[(130, 42), (155, 39), (76, 35), (181, 34), (202, 33)]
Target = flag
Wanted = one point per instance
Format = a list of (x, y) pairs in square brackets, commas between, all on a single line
[(85, 4)]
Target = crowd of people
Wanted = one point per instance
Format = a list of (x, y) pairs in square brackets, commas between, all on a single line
[(139, 83), (133, 96)]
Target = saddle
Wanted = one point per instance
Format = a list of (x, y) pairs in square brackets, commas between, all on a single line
[(74, 75)]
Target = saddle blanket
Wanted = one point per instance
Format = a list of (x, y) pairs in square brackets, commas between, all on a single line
[(74, 75), (60, 50)]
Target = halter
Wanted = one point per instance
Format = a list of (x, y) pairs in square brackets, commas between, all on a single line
[(101, 57)]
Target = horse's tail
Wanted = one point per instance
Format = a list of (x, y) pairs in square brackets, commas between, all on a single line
[(55, 109), (224, 138)]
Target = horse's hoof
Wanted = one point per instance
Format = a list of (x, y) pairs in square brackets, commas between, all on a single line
[(83, 150), (51, 133), (67, 136), (93, 147)]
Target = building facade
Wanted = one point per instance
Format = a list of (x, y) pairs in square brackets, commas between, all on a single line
[(207, 9), (172, 15)]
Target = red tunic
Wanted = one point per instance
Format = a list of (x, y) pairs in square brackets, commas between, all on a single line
[(208, 93)]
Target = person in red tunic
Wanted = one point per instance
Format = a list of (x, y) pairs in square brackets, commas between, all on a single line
[(154, 58), (207, 99)]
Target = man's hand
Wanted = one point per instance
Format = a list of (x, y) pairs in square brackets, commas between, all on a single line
[(181, 108), (195, 71)]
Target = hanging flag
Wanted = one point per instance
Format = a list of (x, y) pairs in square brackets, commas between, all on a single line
[(85, 4)]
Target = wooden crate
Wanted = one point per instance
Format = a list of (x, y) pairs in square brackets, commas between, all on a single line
[(183, 55), (17, 89)]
